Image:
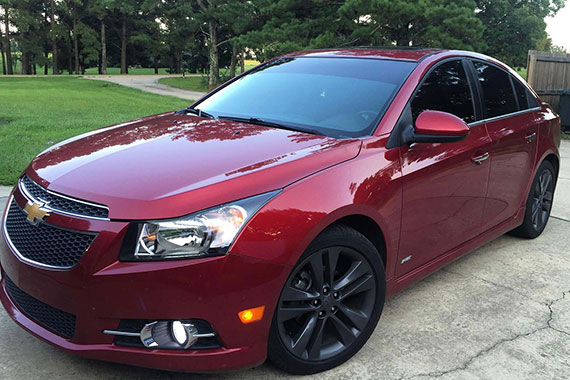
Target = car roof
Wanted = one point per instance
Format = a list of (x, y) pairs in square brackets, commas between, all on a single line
[(397, 53)]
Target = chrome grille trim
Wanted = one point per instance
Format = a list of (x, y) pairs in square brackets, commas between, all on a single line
[(27, 194)]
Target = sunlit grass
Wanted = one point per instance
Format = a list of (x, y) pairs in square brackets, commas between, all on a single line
[(38, 112)]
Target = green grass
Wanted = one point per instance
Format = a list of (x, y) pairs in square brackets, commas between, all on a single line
[(199, 84), (521, 71), (117, 71), (196, 83), (38, 112)]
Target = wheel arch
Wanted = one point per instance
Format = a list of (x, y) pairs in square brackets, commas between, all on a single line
[(369, 228), (554, 160)]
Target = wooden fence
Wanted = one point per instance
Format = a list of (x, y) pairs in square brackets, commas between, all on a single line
[(549, 75)]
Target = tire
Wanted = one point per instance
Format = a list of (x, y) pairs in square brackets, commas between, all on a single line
[(539, 203), (339, 310)]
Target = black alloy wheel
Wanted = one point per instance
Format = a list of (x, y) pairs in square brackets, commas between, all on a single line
[(330, 303), (539, 203), (542, 199)]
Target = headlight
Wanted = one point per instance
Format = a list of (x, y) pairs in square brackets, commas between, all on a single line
[(205, 233)]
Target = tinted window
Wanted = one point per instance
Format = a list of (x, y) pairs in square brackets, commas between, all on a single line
[(335, 96), (499, 98), (525, 97), (445, 89), (522, 94)]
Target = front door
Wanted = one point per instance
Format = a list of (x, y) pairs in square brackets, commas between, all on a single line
[(444, 185)]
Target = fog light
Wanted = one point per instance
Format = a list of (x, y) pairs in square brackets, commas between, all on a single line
[(179, 332), (170, 335)]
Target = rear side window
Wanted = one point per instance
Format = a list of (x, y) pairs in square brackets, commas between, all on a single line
[(499, 98), (445, 89), (525, 97)]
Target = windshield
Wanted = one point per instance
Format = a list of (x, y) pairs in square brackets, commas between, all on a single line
[(339, 97)]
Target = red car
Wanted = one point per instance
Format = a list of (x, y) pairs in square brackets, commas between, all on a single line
[(274, 216)]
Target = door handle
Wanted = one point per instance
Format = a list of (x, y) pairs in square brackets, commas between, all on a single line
[(478, 160), (530, 138)]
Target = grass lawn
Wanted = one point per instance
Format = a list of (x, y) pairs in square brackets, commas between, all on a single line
[(199, 84), (38, 112), (132, 71), (521, 71)]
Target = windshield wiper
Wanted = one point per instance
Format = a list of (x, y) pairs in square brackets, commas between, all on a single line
[(195, 111), (265, 123)]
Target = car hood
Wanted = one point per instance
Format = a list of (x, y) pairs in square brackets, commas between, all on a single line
[(170, 165)]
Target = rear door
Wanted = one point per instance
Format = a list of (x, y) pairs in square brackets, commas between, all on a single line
[(511, 124), (444, 185)]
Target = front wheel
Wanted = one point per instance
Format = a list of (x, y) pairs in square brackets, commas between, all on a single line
[(330, 303), (539, 203)]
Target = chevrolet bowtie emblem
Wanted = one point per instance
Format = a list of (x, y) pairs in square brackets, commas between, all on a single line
[(35, 213)]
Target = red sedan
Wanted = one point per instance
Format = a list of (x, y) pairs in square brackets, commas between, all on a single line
[(274, 216)]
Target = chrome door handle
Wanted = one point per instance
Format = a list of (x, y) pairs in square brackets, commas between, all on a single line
[(479, 159), (530, 137)]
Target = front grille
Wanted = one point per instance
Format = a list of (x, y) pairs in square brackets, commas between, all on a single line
[(58, 321), (62, 204), (45, 244)]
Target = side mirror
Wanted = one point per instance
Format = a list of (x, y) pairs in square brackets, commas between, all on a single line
[(436, 127)]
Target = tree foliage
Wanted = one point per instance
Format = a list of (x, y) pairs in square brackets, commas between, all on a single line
[(204, 35)]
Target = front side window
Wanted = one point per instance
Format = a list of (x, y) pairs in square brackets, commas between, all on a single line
[(445, 89), (499, 98), (331, 96)]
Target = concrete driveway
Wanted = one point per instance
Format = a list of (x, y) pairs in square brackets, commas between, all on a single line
[(501, 312), (148, 83)]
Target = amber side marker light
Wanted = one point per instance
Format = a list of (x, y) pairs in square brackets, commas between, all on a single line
[(251, 315)]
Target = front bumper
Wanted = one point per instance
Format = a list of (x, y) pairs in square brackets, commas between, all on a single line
[(100, 292)]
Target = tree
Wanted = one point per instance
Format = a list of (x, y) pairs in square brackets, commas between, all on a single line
[(28, 18), (53, 37), (512, 27), (6, 4), (208, 8), (289, 25), (434, 23), (2, 54)]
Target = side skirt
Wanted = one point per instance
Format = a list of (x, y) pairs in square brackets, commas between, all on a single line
[(395, 285)]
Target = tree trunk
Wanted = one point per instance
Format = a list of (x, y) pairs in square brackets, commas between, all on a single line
[(35, 69), (103, 49), (124, 69), (2, 56), (75, 44), (404, 36), (9, 67), (233, 62), (69, 56), (54, 39), (46, 55), (242, 59), (25, 70), (213, 47), (179, 62), (156, 65)]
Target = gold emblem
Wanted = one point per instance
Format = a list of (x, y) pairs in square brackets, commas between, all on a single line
[(35, 213)]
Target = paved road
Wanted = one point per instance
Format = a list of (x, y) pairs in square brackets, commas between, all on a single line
[(501, 312), (148, 83)]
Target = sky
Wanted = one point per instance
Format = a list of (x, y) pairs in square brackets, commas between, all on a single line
[(558, 27)]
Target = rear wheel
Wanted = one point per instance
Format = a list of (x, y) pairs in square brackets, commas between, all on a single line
[(330, 303), (539, 203)]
